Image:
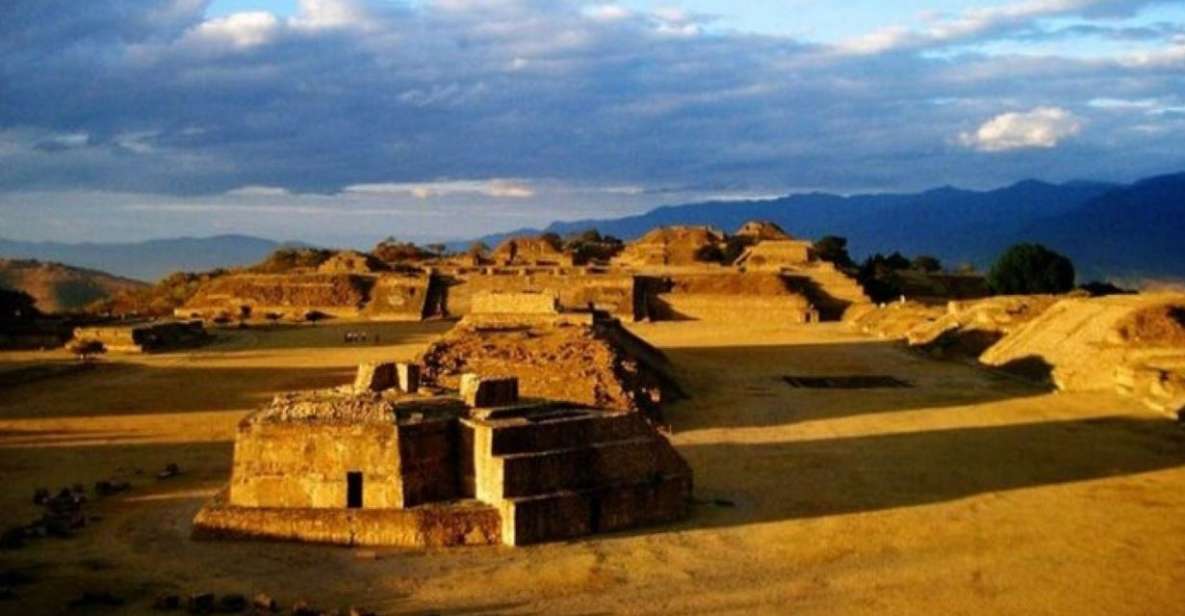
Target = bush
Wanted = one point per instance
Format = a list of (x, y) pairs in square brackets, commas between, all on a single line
[(928, 264), (1031, 268)]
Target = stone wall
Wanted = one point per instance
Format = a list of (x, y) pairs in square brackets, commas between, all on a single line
[(144, 338), (616, 294), (291, 295), (296, 465), (404, 298), (463, 524)]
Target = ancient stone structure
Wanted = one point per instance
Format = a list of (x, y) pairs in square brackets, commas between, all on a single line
[(755, 297), (584, 358), (144, 337), (670, 246), (534, 251), (762, 231), (630, 287), (400, 469)]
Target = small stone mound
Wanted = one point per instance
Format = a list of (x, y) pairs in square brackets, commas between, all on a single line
[(597, 363), (970, 328)]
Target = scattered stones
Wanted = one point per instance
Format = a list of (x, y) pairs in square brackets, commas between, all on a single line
[(171, 470)]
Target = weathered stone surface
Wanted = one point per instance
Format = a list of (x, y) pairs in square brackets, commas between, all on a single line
[(515, 303), (486, 392), (375, 377)]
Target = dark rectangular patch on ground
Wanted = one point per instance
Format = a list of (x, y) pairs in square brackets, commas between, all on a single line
[(860, 381)]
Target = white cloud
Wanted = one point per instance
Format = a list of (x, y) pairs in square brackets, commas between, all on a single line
[(607, 12), (258, 191), (942, 29), (239, 30), (499, 188), (1043, 127)]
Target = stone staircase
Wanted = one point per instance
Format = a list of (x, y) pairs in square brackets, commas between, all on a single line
[(828, 289), (557, 473)]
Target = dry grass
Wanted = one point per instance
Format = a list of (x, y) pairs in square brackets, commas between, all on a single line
[(967, 493)]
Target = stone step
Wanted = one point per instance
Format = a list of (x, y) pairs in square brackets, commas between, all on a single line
[(533, 473), (565, 430), (618, 506)]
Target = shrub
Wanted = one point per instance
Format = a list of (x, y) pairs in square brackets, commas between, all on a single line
[(1031, 268)]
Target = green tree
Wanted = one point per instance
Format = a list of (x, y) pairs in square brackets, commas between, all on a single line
[(833, 248), (1031, 268)]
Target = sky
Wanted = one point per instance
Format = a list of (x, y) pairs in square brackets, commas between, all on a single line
[(345, 121)]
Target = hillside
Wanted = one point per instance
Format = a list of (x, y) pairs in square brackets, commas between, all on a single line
[(1110, 230), (60, 288), (1131, 232), (150, 260)]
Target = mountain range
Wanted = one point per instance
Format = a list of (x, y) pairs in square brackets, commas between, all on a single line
[(149, 260), (1118, 231), (1109, 230)]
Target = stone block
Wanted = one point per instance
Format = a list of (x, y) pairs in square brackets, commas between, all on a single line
[(375, 377), (485, 392), (407, 377)]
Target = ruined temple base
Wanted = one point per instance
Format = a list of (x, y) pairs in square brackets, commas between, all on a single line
[(464, 523)]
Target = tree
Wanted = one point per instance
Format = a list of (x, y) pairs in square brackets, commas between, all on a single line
[(16, 305), (834, 249), (928, 264), (1031, 268)]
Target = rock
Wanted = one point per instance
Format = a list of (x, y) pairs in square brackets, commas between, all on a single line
[(171, 470), (232, 604), (202, 603), (264, 603), (488, 392), (408, 377), (375, 377), (166, 603)]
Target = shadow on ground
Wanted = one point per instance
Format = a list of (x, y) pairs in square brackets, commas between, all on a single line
[(716, 379), (827, 477)]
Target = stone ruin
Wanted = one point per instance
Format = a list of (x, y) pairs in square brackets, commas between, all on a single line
[(586, 358), (422, 467), (143, 337), (632, 286)]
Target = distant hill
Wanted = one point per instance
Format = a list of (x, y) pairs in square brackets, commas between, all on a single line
[(149, 260), (58, 287), (1109, 229)]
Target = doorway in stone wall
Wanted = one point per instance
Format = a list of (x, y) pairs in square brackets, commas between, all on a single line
[(354, 490)]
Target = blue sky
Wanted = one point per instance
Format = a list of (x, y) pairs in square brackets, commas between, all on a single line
[(344, 121)]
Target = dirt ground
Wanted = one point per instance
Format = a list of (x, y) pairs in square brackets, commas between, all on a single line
[(963, 493)]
